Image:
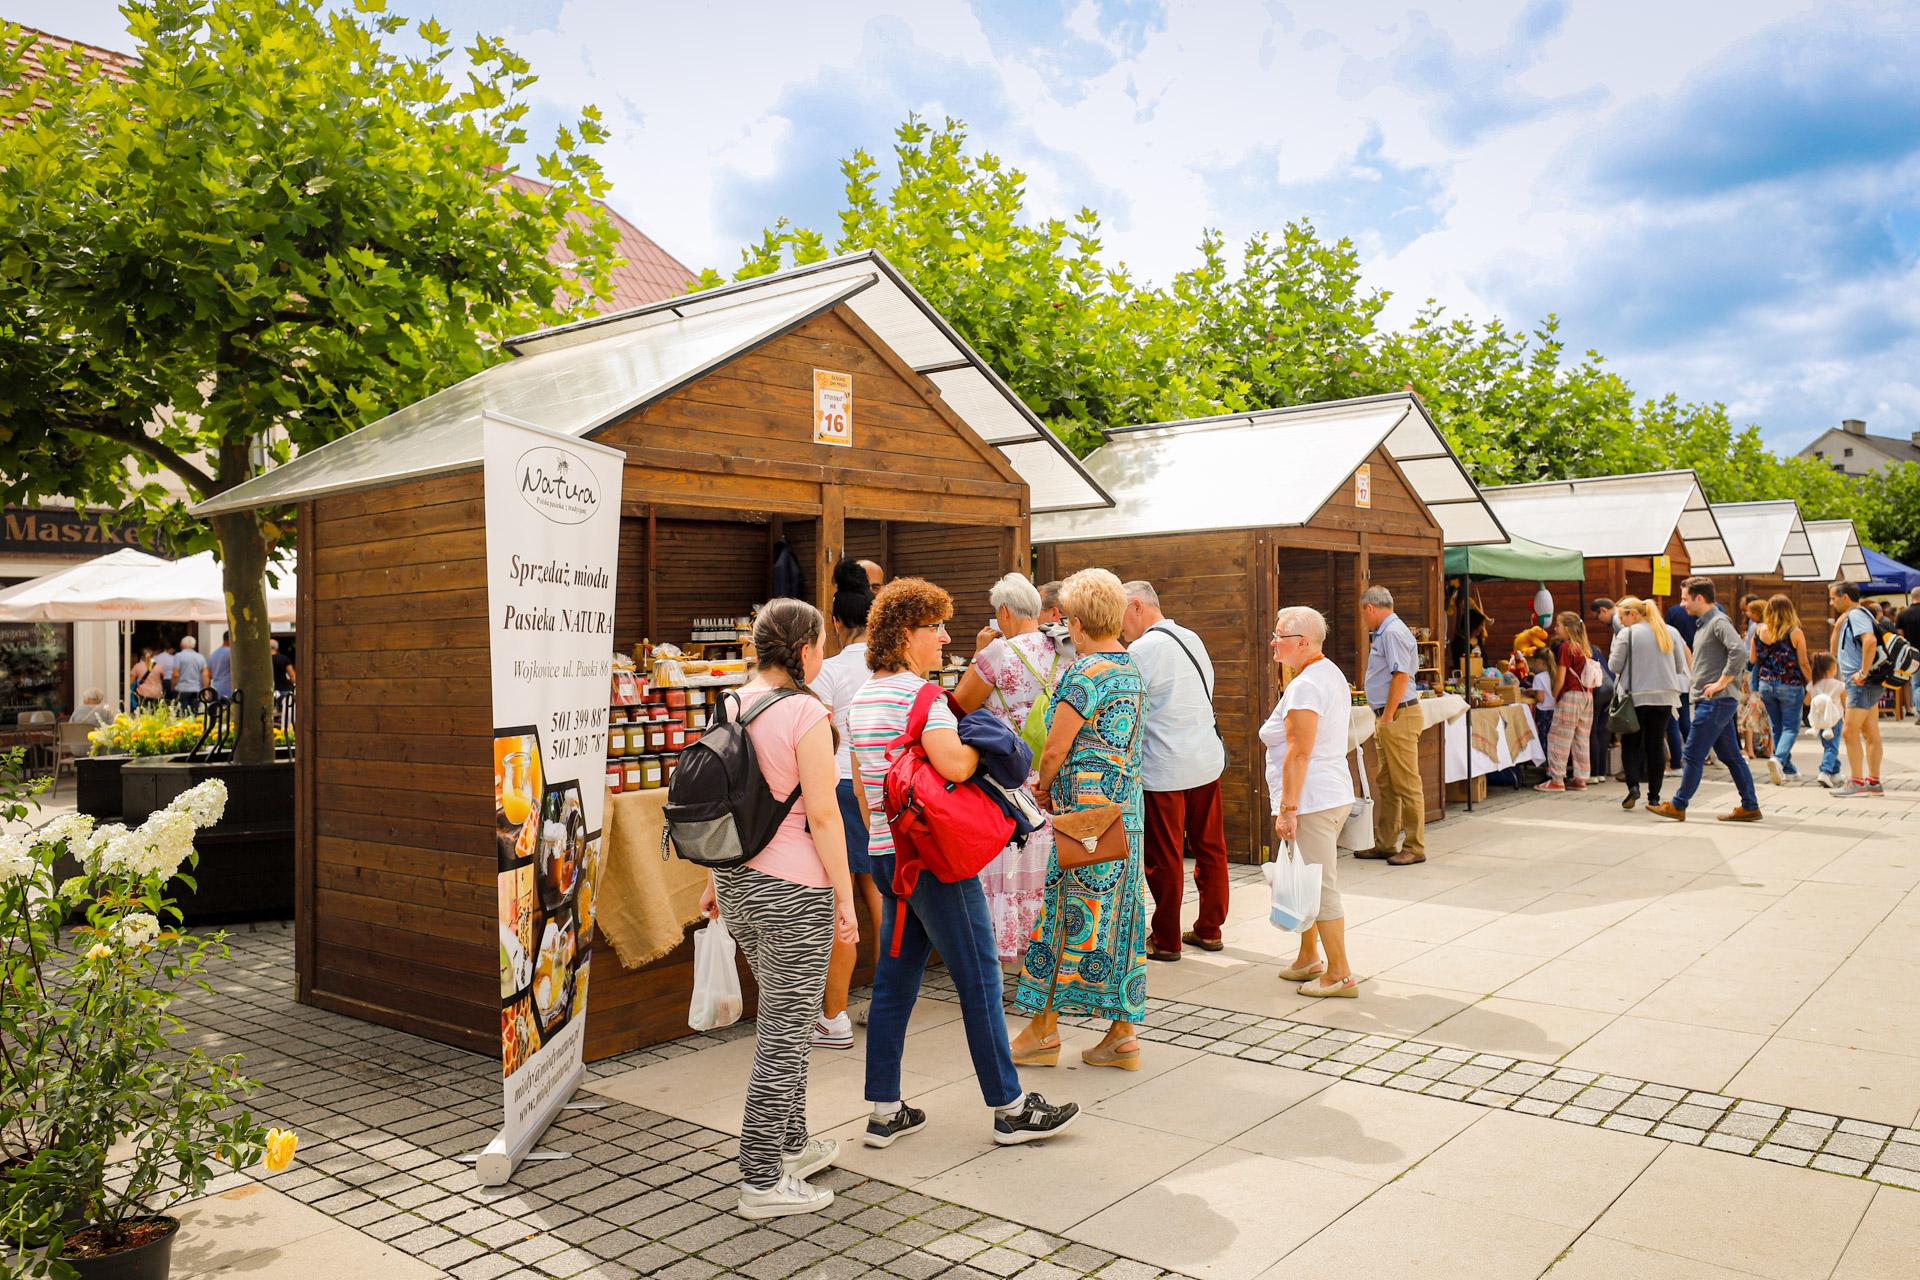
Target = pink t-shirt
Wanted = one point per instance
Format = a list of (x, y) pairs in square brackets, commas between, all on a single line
[(776, 744)]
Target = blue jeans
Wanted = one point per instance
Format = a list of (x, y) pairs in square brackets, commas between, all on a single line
[(1782, 702), (1830, 757), (1712, 730), (1677, 731), (953, 918)]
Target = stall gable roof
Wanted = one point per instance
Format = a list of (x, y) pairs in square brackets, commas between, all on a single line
[(1604, 516), (1765, 538), (917, 334), (1836, 553), (1272, 469), (571, 387)]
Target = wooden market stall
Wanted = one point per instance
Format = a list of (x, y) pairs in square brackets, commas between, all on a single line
[(1621, 525), (1769, 547), (1836, 558), (1233, 517), (711, 396)]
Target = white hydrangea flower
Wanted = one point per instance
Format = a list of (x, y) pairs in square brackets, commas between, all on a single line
[(72, 829), (156, 848), (16, 858), (136, 930), (101, 843), (204, 803)]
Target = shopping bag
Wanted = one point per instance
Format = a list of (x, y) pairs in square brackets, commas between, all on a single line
[(1357, 831), (1295, 890), (716, 983)]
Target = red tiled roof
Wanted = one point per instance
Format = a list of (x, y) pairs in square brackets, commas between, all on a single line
[(114, 64), (649, 274)]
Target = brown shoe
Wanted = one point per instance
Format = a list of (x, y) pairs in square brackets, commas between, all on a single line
[(1405, 859), (1741, 815), (1155, 953), (1382, 854), (1193, 939), (1665, 809)]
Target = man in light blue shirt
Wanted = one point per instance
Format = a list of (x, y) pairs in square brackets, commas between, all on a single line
[(189, 671), (1401, 804), (220, 667)]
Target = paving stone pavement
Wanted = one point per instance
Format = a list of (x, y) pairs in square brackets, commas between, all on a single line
[(382, 1114)]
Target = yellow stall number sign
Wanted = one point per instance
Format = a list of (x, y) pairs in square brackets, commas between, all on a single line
[(1662, 576), (832, 408), (1363, 486)]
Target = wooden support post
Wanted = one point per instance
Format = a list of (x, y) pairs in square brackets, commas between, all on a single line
[(651, 628), (828, 546), (305, 761), (886, 550)]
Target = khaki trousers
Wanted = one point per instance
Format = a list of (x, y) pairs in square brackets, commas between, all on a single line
[(1399, 800)]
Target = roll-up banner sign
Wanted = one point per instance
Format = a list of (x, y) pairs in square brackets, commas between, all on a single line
[(553, 542)]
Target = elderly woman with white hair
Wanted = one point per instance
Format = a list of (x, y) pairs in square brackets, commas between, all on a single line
[(1013, 674), (1311, 790)]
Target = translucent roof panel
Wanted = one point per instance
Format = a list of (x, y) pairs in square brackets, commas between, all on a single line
[(915, 333), (1272, 469), (1836, 553), (1606, 516), (571, 387), (1765, 538)]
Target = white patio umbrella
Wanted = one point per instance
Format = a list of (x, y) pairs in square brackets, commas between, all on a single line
[(56, 597)]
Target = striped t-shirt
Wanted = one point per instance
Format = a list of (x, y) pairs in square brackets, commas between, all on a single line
[(879, 715)]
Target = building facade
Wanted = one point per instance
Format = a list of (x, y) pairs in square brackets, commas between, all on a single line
[(1849, 450)]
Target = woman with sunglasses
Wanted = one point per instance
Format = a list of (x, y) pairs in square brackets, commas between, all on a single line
[(906, 633), (1311, 789)]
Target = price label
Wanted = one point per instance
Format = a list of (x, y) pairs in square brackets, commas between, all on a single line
[(1363, 486), (832, 408)]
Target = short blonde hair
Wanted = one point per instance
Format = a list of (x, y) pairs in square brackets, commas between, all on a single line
[(1096, 598)]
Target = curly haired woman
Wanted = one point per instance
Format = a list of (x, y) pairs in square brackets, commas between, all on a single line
[(906, 632)]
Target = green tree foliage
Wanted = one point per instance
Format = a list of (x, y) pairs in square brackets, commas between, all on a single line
[(1290, 322), (1892, 522), (279, 230)]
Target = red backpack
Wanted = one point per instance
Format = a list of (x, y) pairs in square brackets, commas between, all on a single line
[(951, 829)]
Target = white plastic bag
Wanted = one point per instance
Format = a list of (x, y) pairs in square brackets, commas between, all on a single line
[(1295, 885), (716, 983)]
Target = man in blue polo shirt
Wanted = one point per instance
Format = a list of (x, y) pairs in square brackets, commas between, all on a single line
[(1400, 802)]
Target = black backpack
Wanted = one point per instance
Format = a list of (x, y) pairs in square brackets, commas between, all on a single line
[(720, 812), (1895, 664)]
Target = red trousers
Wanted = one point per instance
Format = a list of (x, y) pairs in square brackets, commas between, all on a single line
[(1181, 822)]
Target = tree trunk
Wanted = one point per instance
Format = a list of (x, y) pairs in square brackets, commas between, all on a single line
[(243, 565)]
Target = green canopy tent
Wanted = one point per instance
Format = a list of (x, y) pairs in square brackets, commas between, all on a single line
[(1518, 558)]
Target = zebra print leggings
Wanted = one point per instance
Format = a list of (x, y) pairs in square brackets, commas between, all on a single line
[(786, 932)]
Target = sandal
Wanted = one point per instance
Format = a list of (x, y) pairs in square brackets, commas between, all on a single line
[(1303, 972), (1116, 1056), (1044, 1054), (1348, 986)]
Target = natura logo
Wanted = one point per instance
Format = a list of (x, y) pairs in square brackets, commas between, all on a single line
[(558, 484)]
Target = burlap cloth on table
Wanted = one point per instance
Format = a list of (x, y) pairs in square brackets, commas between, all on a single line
[(1520, 731), (644, 904), (1486, 722)]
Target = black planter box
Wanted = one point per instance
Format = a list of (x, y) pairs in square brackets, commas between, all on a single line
[(246, 859), (96, 782)]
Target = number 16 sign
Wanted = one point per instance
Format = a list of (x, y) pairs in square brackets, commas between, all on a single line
[(832, 408)]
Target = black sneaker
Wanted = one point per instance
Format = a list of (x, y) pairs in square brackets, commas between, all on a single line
[(1033, 1121), (881, 1133)]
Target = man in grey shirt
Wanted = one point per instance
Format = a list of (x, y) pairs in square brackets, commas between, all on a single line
[(1719, 658)]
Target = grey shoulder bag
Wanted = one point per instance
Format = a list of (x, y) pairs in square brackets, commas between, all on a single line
[(1623, 717)]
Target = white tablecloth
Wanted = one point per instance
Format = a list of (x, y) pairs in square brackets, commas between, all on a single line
[(1461, 755)]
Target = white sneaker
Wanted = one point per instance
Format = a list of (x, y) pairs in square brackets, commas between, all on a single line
[(812, 1158), (1775, 774), (785, 1198), (1829, 779), (833, 1033)]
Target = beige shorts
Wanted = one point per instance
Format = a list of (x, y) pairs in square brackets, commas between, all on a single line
[(1319, 836)]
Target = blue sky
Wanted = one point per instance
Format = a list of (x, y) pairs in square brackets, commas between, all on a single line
[(1723, 198)]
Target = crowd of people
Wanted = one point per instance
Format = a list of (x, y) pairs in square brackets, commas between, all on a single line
[(177, 672), (1106, 704), (1112, 702), (1700, 681)]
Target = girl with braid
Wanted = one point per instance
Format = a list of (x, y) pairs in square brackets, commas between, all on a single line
[(786, 907)]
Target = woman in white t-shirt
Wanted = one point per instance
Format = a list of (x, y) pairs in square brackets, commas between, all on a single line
[(1311, 789), (841, 677)]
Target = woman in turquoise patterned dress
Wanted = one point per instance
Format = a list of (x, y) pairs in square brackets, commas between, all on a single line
[(1094, 918)]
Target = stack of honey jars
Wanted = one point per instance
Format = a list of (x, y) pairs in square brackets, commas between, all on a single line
[(644, 742)]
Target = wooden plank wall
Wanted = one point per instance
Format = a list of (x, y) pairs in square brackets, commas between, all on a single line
[(401, 902), (963, 560), (1206, 582), (1811, 601)]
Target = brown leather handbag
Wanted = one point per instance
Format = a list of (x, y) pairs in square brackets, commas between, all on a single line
[(1088, 837)]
